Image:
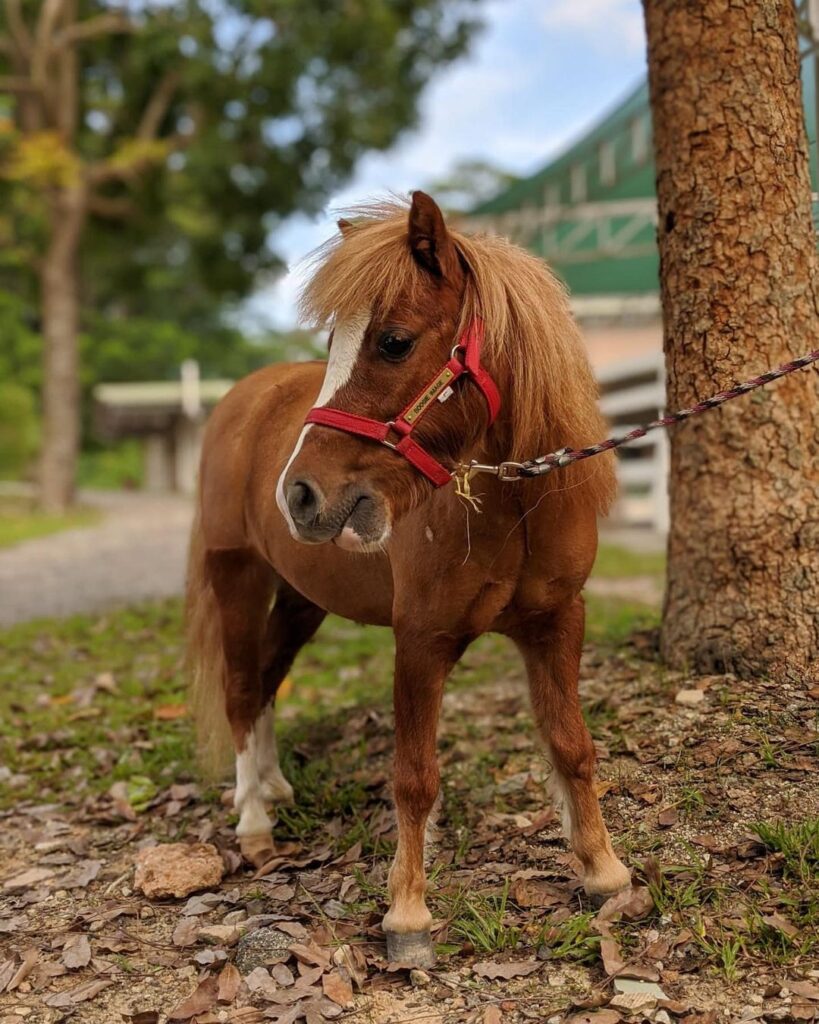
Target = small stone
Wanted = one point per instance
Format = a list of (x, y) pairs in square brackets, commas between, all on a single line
[(262, 947), (259, 982), (177, 869), (661, 1017), (634, 986), (220, 934), (234, 917), (28, 879), (689, 698), (756, 999), (418, 978)]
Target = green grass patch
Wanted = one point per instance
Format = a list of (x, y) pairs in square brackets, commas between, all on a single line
[(611, 621), (480, 920), (615, 562), (20, 520), (90, 700), (797, 843)]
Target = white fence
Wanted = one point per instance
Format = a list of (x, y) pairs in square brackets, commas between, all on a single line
[(633, 392)]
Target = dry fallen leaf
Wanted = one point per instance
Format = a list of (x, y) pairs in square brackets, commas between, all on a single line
[(781, 924), (229, 981), (186, 932), (169, 712), (595, 1017), (199, 1001), (611, 956), (667, 817), (630, 904), (30, 958), (310, 955), (337, 988), (28, 879), (76, 952), (492, 1015), (494, 969)]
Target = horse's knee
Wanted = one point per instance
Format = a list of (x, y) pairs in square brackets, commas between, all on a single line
[(572, 754), (416, 789)]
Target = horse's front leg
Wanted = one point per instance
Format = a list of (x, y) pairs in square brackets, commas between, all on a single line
[(551, 647), (421, 666)]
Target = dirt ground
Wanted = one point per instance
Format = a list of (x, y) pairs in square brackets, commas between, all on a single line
[(709, 787)]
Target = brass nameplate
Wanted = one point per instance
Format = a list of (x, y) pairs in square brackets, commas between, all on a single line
[(431, 393)]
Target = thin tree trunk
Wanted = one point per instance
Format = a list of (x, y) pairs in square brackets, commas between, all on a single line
[(738, 256), (59, 300)]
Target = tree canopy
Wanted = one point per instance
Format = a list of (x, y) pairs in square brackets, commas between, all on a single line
[(202, 125)]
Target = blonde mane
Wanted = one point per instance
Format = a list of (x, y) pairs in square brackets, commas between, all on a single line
[(532, 345)]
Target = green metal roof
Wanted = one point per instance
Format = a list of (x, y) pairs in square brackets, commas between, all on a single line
[(595, 203)]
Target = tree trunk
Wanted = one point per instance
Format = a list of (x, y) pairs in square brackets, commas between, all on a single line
[(737, 253), (59, 301)]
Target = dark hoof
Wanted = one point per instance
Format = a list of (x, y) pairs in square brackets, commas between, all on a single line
[(414, 948), (597, 899)]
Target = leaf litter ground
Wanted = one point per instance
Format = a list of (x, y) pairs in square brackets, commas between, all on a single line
[(708, 785)]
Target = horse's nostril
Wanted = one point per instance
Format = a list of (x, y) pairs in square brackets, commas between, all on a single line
[(302, 502)]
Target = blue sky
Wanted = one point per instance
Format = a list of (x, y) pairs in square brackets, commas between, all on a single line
[(539, 74)]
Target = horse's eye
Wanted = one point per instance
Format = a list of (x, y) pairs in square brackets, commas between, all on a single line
[(395, 347)]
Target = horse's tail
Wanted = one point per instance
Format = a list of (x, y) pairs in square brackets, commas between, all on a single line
[(205, 661)]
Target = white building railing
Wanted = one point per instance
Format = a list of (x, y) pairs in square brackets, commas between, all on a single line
[(632, 393)]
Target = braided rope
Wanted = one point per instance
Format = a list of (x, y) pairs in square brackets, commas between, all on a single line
[(566, 456)]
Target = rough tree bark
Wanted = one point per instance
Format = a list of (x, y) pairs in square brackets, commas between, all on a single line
[(738, 258)]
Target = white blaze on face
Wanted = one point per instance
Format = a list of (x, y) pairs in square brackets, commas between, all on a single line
[(347, 338)]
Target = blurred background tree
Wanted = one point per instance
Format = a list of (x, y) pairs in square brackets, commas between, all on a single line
[(150, 152), (469, 183)]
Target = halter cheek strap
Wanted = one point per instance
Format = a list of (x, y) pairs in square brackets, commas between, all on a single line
[(396, 434)]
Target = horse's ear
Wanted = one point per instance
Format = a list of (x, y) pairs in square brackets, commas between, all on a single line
[(429, 240), (344, 226)]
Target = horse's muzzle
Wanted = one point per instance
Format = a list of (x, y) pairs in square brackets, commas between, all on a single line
[(356, 519)]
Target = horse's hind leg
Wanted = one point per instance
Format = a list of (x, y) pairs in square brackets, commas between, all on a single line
[(551, 647), (244, 585), (292, 622)]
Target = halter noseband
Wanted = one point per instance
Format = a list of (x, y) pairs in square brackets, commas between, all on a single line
[(465, 360)]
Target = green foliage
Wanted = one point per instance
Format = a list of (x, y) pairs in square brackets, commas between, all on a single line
[(263, 109), (469, 183), (112, 469), (19, 429)]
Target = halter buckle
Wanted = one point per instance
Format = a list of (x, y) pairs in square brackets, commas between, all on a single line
[(504, 471)]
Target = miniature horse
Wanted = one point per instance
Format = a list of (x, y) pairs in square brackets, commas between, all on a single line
[(327, 487)]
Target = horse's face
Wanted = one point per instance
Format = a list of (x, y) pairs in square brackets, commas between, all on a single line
[(351, 490)]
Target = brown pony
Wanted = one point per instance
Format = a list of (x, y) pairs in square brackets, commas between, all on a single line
[(297, 520)]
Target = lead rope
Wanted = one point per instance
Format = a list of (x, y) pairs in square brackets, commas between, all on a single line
[(510, 471)]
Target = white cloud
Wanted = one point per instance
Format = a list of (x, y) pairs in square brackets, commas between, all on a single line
[(600, 22), (539, 70)]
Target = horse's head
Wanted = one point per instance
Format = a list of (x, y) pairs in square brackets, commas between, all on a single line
[(339, 485)]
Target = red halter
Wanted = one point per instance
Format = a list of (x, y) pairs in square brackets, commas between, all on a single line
[(465, 359)]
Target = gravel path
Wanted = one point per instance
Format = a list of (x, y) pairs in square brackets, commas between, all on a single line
[(137, 551)]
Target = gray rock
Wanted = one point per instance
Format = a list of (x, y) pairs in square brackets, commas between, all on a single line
[(262, 947)]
